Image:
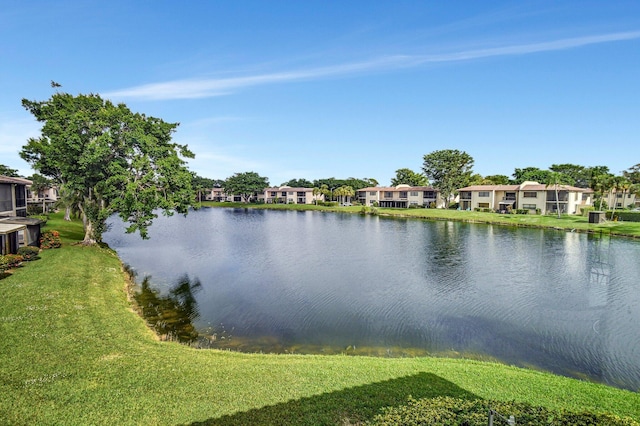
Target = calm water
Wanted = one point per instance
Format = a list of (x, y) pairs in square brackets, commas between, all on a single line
[(292, 281)]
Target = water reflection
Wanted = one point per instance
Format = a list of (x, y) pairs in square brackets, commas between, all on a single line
[(327, 283), (171, 316)]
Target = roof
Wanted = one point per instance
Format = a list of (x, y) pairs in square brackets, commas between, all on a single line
[(525, 186), (9, 179), (289, 189), (398, 188), (7, 228), (534, 186), (18, 220), (490, 188)]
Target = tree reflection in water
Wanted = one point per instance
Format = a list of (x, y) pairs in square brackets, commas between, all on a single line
[(171, 316)]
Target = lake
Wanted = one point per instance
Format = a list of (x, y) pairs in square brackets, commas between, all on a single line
[(316, 282)]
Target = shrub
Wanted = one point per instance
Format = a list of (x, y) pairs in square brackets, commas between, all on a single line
[(34, 209), (626, 216), (9, 261), (454, 206), (454, 411), (29, 253), (522, 211), (50, 239)]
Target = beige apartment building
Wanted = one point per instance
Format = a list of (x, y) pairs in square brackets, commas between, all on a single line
[(289, 195), (401, 196), (622, 200), (531, 196)]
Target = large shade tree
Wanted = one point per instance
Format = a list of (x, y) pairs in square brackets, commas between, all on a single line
[(298, 183), (448, 170), (406, 176), (633, 174), (531, 174), (246, 185), (8, 171), (112, 159)]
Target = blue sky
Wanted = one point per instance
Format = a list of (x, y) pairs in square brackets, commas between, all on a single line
[(316, 89)]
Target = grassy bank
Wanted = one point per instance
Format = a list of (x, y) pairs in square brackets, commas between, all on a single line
[(74, 352), (566, 222)]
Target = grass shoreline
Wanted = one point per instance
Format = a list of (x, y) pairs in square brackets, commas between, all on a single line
[(74, 352), (567, 223)]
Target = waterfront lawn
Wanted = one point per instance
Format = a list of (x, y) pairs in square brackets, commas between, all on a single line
[(74, 352), (565, 222)]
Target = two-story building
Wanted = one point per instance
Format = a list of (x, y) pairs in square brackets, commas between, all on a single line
[(289, 195), (45, 197), (401, 196), (13, 196), (529, 195), (621, 199), (15, 228)]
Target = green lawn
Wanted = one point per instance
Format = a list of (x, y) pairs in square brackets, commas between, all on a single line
[(74, 352), (566, 222)]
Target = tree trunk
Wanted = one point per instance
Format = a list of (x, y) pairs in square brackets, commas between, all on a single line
[(88, 234), (67, 213), (557, 201), (88, 228)]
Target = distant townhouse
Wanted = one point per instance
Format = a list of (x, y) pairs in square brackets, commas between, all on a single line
[(218, 194), (401, 196), (622, 199), (289, 195), (46, 197), (529, 195)]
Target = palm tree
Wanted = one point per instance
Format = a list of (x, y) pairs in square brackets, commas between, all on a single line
[(338, 193), (349, 192), (555, 179), (619, 183), (601, 184), (69, 199), (316, 191)]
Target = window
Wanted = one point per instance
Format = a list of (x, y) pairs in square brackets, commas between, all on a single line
[(429, 194), (414, 193), (388, 194), (530, 194), (372, 193), (529, 206), (274, 194), (484, 194), (284, 193), (483, 205), (403, 194)]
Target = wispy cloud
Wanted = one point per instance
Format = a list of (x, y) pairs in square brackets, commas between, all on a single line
[(204, 88)]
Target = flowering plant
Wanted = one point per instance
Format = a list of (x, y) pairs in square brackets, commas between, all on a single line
[(50, 239)]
